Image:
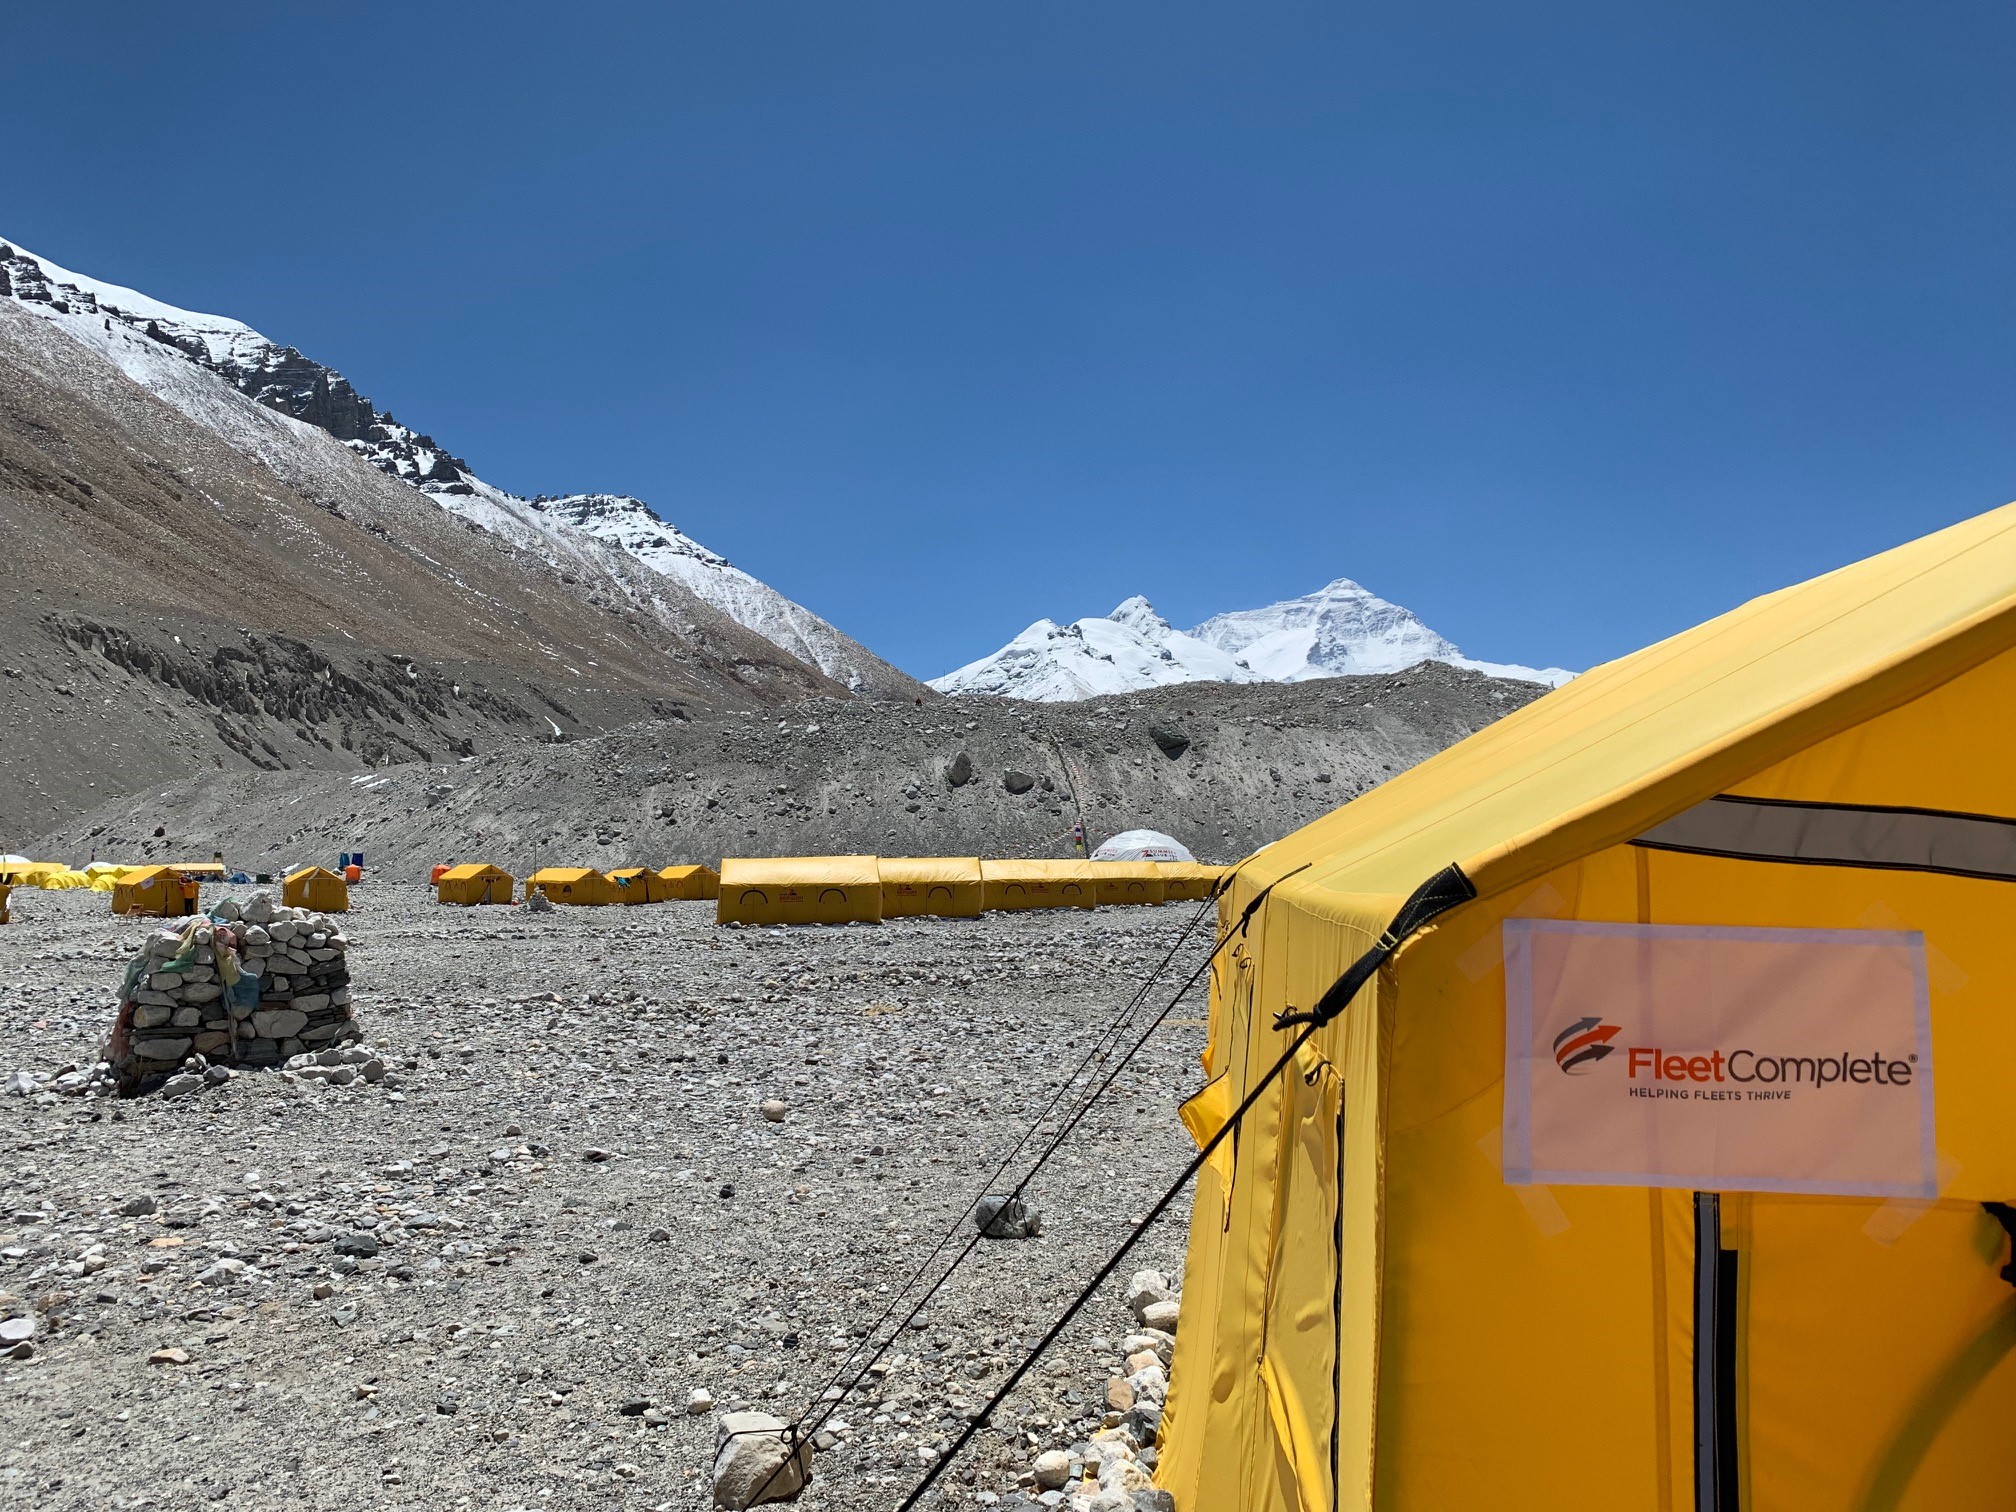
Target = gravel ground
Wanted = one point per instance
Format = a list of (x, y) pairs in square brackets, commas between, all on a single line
[(580, 1212)]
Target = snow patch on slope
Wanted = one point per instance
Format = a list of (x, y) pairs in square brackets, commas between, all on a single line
[(631, 524)]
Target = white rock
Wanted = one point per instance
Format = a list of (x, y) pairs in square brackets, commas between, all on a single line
[(1052, 1469), (751, 1464)]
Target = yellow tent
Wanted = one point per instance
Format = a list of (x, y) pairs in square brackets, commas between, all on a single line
[(29, 873), (1128, 881), (314, 887), (947, 886), (205, 871), (1012, 885), (690, 882), (800, 890), (639, 884), (476, 882), (153, 891), (1645, 1168), (1187, 880), (581, 885), (63, 880)]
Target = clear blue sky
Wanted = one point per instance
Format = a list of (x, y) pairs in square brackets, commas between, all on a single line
[(1565, 325)]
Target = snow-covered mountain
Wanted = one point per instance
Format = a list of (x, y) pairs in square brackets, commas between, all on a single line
[(173, 352), (1341, 630), (1133, 647)]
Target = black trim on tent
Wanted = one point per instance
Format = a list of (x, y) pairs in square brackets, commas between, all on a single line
[(1436, 896), (1716, 1274), (1879, 837)]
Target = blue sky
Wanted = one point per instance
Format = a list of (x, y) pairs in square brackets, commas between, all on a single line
[(1565, 325)]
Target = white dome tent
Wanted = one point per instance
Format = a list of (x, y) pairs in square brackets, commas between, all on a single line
[(1142, 845)]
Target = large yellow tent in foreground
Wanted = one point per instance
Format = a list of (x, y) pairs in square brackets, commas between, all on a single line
[(690, 882), (1011, 885), (946, 886), (474, 882), (1482, 1248), (800, 890)]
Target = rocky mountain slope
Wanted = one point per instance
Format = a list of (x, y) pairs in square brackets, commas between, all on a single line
[(169, 350), (1224, 768), (1341, 630), (247, 592)]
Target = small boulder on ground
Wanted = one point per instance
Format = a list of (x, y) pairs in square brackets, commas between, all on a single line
[(752, 1463), (1007, 1218)]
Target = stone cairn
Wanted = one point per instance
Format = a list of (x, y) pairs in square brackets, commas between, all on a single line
[(296, 961)]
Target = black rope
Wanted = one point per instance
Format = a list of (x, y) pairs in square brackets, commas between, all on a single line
[(1084, 1105), (980, 1418), (1439, 893), (1099, 1047)]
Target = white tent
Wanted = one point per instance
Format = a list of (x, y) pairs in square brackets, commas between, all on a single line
[(1142, 845)]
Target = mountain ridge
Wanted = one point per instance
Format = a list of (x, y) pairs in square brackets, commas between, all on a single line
[(1341, 630), (280, 378)]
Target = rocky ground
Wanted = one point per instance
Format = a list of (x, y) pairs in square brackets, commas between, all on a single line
[(1225, 769), (498, 1276)]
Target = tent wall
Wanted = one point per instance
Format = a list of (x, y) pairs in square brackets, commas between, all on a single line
[(575, 885), (1128, 882), (947, 887), (1187, 881), (691, 882), (639, 884), (473, 884), (1013, 885), (153, 893), (800, 890), (1532, 1347), (316, 888)]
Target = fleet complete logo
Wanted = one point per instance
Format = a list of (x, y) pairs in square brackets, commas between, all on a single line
[(1583, 1043), (1579, 1047)]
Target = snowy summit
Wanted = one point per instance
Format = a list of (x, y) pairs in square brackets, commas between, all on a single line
[(1341, 630)]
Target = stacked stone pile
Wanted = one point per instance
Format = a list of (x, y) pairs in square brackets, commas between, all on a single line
[(1111, 1468), (298, 959)]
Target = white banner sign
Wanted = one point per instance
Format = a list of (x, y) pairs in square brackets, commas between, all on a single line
[(1718, 1059)]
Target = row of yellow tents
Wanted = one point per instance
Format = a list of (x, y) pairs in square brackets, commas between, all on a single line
[(868, 889), (845, 889), (479, 882)]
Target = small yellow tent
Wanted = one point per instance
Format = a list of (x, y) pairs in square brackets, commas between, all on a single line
[(1187, 880), (476, 882), (152, 891), (946, 886), (1643, 1155), (1013, 885), (1128, 881), (800, 890), (313, 887), (691, 882), (639, 884), (64, 880), (29, 873), (581, 885)]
